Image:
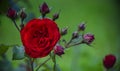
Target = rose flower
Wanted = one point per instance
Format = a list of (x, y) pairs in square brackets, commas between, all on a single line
[(39, 37)]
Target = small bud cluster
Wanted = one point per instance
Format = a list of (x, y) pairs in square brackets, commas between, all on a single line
[(12, 14), (86, 38), (44, 9)]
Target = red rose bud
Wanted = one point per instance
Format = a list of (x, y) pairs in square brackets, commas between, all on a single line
[(44, 9), (64, 31), (109, 61), (75, 35), (55, 16), (59, 50), (88, 38), (81, 27), (11, 13), (39, 37), (23, 15)]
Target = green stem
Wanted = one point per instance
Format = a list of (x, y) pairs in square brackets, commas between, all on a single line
[(75, 44), (16, 25), (67, 44), (54, 67), (21, 21), (21, 25), (43, 64), (43, 15), (31, 63)]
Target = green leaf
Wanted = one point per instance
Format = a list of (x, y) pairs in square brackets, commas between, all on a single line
[(47, 68), (3, 48), (18, 53)]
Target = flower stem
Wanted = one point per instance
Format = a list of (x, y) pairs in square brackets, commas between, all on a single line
[(16, 25), (43, 15), (54, 67), (31, 62), (21, 25), (43, 63), (76, 44), (67, 44)]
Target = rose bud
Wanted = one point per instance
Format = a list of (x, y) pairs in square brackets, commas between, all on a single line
[(23, 15), (55, 16), (81, 27), (109, 61), (44, 9), (11, 13), (75, 35), (59, 50), (88, 38), (64, 31)]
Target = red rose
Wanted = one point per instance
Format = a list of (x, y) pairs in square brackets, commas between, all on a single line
[(39, 37)]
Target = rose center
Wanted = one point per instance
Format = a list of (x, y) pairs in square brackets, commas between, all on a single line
[(41, 33)]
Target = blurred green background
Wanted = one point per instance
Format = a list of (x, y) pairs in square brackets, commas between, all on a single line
[(101, 17)]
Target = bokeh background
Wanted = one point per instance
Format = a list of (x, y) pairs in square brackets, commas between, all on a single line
[(102, 18)]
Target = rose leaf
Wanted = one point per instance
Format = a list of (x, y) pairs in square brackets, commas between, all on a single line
[(18, 53)]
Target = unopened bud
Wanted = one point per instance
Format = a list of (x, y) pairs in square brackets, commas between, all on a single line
[(109, 61), (59, 50), (44, 9), (81, 27), (55, 16), (75, 35), (23, 15), (88, 38), (64, 31), (11, 13)]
